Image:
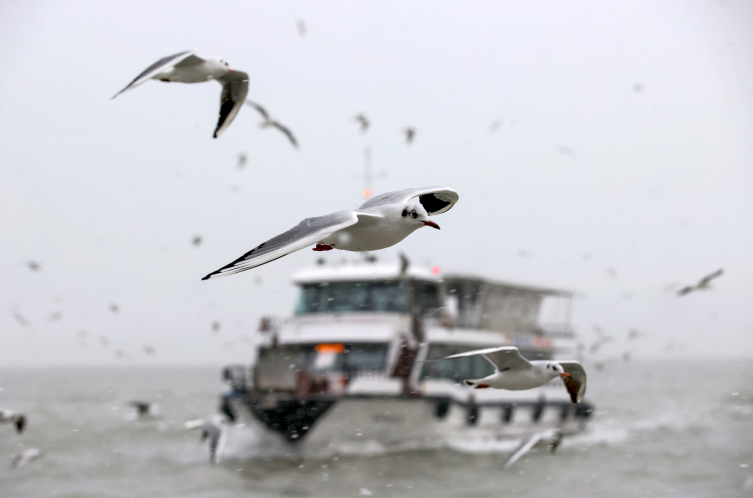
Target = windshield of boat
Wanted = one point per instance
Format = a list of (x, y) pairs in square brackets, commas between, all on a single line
[(346, 297)]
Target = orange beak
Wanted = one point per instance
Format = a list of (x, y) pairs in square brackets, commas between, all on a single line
[(563, 375)]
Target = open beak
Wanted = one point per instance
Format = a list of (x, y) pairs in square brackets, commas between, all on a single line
[(431, 224), (564, 375)]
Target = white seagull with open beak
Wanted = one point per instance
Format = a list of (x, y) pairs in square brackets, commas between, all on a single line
[(187, 67), (380, 222), (515, 373)]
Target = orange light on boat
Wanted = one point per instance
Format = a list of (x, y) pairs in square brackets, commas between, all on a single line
[(366, 193), (330, 348), (435, 270)]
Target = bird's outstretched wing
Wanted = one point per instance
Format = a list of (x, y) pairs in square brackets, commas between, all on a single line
[(503, 358), (685, 290), (527, 443), (234, 90), (576, 383), (708, 278), (259, 109), (286, 131), (181, 58), (307, 232), (436, 200)]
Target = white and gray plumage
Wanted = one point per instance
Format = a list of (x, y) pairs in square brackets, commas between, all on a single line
[(213, 430), (269, 122), (380, 222), (553, 437), (703, 284), (11, 417), (187, 67), (515, 373), (25, 458)]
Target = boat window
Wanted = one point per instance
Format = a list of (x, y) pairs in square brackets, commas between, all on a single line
[(426, 296), (457, 369), (352, 359), (346, 297)]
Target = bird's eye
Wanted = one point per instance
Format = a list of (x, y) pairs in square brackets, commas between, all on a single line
[(405, 213), (414, 214)]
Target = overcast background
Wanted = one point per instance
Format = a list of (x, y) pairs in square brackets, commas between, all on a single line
[(622, 165)]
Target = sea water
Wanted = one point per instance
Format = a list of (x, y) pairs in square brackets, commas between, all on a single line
[(661, 428)]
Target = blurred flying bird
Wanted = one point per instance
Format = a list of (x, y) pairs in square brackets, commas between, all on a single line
[(513, 372), (149, 350), (611, 272), (144, 410), (410, 134), (301, 28), (20, 318), (242, 159), (197, 240), (187, 67), (33, 265), (114, 308), (380, 222), (103, 340), (54, 316), (119, 353), (703, 284), (15, 418), (634, 334), (626, 356), (567, 151), (25, 458), (522, 253), (268, 121), (638, 87), (552, 437), (404, 264), (363, 121), (496, 124), (215, 327), (214, 430)]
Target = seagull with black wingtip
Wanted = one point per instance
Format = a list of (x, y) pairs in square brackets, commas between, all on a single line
[(380, 222), (11, 417)]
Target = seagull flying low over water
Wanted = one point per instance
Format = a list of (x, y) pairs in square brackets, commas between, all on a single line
[(144, 410), (380, 222), (187, 67), (25, 458), (213, 430), (703, 284), (552, 436), (9, 416), (515, 373), (268, 121), (363, 121)]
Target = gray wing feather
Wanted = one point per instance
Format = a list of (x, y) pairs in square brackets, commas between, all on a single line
[(576, 383), (502, 358), (164, 62), (307, 232), (436, 200), (529, 442), (234, 90)]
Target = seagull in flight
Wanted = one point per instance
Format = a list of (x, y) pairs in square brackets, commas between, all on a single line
[(213, 430), (703, 284), (380, 222), (363, 121), (25, 458), (144, 410), (410, 134), (187, 67), (9, 416), (552, 436), (269, 122), (515, 373)]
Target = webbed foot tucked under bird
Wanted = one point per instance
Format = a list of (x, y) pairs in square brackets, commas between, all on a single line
[(515, 373), (380, 222), (187, 67)]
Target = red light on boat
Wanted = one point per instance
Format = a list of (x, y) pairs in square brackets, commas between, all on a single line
[(330, 348), (435, 270)]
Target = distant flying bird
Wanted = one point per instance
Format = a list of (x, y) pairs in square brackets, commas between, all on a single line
[(33, 265), (103, 340), (703, 284), (634, 334), (187, 67), (144, 410), (496, 124), (213, 430), (553, 437), (626, 356), (380, 222), (242, 159), (215, 327), (567, 151), (269, 122), (9, 416), (515, 373), (197, 240), (363, 121), (611, 272), (54, 316), (301, 28), (114, 308), (404, 264), (20, 318), (149, 350), (25, 458), (410, 134)]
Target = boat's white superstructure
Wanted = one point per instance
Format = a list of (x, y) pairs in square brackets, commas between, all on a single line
[(349, 370)]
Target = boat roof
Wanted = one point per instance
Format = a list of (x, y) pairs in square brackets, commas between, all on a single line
[(358, 271), (506, 283)]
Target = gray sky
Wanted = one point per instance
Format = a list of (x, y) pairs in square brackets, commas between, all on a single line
[(625, 143)]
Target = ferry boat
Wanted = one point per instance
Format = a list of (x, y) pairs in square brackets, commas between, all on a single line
[(348, 370)]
